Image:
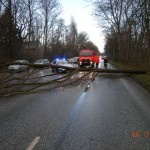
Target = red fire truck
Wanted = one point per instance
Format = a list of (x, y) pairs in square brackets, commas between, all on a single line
[(88, 58)]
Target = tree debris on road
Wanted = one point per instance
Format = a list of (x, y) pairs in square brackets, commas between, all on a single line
[(12, 83)]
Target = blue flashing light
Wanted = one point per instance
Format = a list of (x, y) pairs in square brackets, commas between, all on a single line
[(64, 59), (57, 59)]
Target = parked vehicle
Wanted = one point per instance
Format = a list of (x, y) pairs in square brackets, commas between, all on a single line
[(42, 61), (19, 67), (73, 60)]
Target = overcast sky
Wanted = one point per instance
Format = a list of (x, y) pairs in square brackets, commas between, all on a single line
[(81, 12)]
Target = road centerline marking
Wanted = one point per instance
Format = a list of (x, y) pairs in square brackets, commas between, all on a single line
[(79, 85), (33, 143)]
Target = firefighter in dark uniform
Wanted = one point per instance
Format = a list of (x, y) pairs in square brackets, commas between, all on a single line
[(105, 61)]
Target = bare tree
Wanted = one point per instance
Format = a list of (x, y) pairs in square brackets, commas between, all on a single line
[(50, 10), (127, 28), (72, 38), (82, 40)]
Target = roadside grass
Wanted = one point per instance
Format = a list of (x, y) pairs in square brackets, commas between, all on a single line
[(143, 79)]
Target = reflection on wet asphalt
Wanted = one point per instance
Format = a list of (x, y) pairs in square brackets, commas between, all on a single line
[(111, 114)]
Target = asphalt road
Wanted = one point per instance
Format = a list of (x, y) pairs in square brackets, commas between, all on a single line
[(111, 114)]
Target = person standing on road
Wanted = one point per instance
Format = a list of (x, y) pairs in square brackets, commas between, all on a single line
[(105, 61)]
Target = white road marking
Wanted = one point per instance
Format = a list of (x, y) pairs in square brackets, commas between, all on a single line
[(79, 85), (89, 85), (34, 142)]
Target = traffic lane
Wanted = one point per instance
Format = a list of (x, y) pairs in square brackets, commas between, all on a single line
[(40, 75), (28, 82), (36, 75), (101, 65), (108, 117), (51, 137), (38, 72), (43, 74), (35, 115)]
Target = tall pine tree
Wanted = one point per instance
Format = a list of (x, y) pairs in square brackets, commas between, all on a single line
[(10, 40)]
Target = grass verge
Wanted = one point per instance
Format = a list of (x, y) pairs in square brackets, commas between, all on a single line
[(143, 80)]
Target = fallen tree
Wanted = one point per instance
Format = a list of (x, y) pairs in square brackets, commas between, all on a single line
[(12, 83)]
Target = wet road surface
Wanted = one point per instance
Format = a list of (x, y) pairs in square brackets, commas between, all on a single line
[(112, 114)]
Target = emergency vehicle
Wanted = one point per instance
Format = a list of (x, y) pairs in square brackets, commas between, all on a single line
[(88, 58)]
